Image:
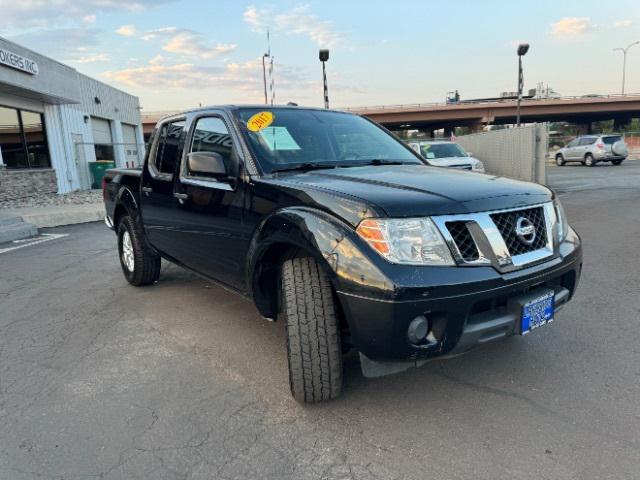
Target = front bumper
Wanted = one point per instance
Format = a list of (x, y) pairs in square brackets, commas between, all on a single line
[(466, 306)]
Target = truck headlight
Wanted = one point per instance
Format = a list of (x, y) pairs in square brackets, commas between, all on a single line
[(563, 225), (408, 241)]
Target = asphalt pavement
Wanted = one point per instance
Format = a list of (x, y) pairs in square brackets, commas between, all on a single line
[(184, 380)]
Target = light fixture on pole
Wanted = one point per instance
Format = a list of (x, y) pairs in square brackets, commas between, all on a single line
[(624, 60), (324, 56), (523, 48)]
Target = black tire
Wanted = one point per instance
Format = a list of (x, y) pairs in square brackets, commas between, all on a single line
[(146, 263), (560, 160), (313, 332), (589, 160), (617, 162)]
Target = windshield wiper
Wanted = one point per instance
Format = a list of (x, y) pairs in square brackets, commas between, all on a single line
[(304, 166), (378, 161)]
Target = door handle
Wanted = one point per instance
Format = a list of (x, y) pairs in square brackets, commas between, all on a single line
[(147, 189), (181, 196)]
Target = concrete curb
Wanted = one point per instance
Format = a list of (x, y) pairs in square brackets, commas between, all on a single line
[(59, 215)]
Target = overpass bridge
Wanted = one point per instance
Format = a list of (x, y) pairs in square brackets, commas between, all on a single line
[(428, 117), (475, 114)]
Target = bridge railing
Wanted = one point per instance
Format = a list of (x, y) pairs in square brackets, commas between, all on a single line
[(407, 106)]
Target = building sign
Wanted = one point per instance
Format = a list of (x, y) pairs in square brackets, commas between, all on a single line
[(18, 62)]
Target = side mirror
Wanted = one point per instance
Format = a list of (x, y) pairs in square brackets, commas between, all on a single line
[(469, 154), (206, 163)]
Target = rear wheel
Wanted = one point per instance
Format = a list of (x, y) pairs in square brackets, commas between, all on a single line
[(140, 265), (589, 161), (560, 160), (313, 333), (617, 162)]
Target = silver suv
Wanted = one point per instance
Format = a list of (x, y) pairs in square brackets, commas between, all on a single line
[(591, 149)]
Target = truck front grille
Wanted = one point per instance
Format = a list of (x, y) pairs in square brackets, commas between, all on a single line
[(464, 241), (506, 223), (504, 239)]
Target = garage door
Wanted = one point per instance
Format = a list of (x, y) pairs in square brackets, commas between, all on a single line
[(102, 139), (130, 145), (101, 131)]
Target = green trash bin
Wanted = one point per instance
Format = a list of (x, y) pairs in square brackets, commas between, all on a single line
[(97, 170)]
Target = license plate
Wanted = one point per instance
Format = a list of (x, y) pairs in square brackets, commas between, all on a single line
[(537, 313)]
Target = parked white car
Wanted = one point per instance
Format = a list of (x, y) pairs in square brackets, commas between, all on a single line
[(443, 153), (591, 149)]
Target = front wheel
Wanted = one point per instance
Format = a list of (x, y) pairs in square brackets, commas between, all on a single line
[(560, 160), (140, 265), (589, 161), (313, 333)]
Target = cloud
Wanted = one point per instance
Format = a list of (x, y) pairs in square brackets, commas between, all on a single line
[(25, 13), (187, 42), (254, 18), (239, 76), (623, 24), (59, 41), (89, 19), (296, 21), (91, 58), (571, 26), (127, 30)]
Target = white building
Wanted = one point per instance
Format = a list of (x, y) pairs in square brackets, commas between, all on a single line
[(54, 120)]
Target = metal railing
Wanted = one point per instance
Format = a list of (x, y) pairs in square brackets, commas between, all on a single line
[(488, 101)]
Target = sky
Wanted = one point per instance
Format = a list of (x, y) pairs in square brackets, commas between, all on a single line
[(180, 54)]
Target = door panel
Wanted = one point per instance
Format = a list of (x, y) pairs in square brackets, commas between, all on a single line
[(157, 199), (212, 235)]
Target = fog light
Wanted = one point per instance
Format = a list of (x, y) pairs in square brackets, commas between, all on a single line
[(418, 329)]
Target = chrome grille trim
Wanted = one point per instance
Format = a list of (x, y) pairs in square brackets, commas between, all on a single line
[(491, 245)]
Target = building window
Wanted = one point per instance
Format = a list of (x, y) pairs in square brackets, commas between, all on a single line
[(23, 139)]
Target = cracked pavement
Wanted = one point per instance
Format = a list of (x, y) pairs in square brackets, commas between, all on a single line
[(183, 380)]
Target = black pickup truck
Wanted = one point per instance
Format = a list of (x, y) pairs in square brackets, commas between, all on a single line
[(330, 223)]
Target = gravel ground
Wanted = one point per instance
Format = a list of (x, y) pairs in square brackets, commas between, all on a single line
[(74, 198)]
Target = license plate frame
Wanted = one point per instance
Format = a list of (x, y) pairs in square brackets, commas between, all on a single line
[(537, 312)]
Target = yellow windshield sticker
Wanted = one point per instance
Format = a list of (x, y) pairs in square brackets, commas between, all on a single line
[(259, 121)]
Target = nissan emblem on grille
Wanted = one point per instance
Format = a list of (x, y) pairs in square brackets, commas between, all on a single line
[(525, 230)]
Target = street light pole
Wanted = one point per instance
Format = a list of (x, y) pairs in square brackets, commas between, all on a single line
[(324, 56), (624, 60), (264, 78), (523, 48)]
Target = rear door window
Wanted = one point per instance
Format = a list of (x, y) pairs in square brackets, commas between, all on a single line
[(170, 147), (587, 141)]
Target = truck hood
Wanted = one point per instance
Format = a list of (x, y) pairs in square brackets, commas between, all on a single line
[(420, 190)]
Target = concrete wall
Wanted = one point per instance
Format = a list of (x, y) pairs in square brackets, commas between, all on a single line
[(15, 184), (514, 152)]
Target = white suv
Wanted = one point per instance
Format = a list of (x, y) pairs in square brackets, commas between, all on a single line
[(591, 149)]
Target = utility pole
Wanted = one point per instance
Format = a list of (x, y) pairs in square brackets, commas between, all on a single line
[(264, 68), (624, 60)]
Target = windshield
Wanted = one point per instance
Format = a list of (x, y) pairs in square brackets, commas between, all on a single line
[(441, 150), (288, 137)]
